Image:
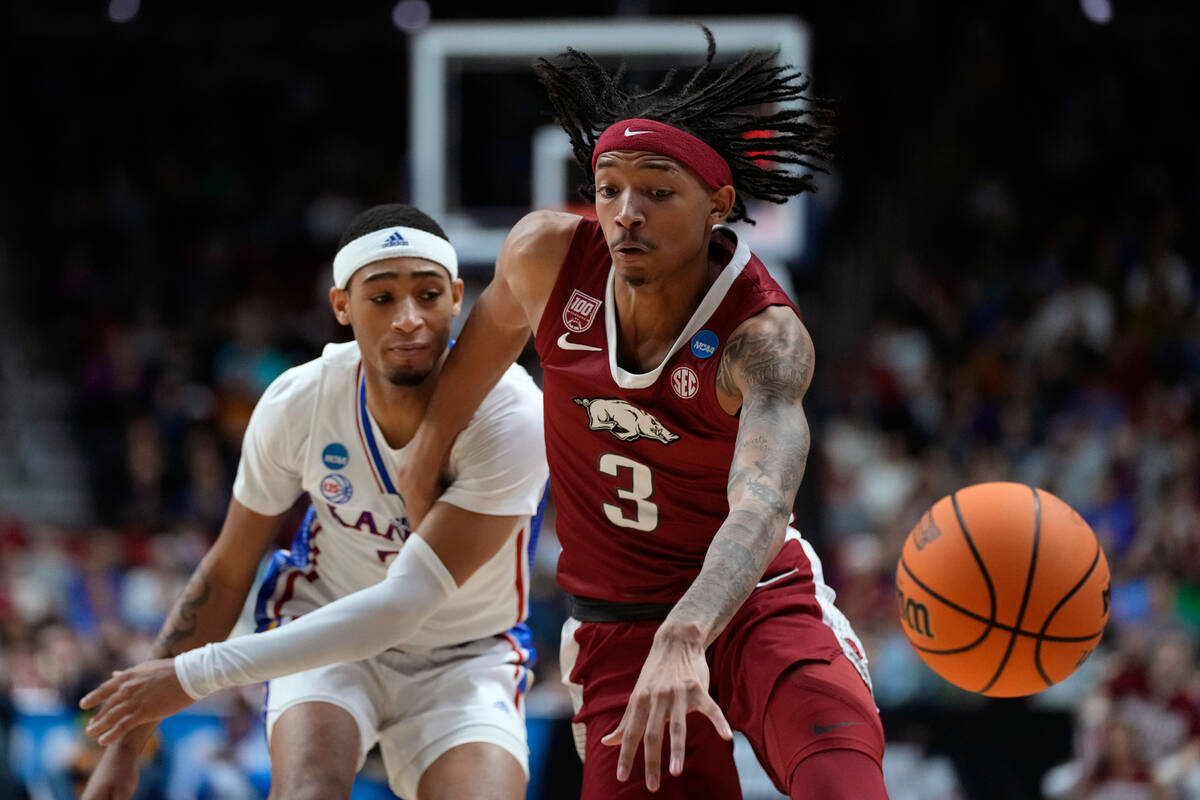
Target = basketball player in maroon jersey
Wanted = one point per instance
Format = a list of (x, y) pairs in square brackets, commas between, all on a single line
[(674, 370)]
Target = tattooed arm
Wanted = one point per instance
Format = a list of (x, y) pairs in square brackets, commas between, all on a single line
[(768, 364), (205, 612), (765, 369), (213, 599)]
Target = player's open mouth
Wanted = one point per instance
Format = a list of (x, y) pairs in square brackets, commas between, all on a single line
[(632, 250)]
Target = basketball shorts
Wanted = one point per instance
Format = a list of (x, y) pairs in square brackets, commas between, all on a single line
[(787, 671), (419, 704)]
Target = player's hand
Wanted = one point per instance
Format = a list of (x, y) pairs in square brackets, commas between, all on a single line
[(133, 697), (116, 775), (673, 682), (417, 483)]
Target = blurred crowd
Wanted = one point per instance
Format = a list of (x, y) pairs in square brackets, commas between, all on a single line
[(1077, 372), (992, 299), (1044, 329)]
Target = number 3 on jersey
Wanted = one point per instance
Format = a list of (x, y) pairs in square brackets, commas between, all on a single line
[(641, 487)]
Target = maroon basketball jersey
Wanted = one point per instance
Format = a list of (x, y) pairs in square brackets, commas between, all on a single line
[(639, 462)]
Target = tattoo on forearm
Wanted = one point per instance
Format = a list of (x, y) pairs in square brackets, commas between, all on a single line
[(771, 371), (770, 468), (181, 623), (732, 567), (769, 497)]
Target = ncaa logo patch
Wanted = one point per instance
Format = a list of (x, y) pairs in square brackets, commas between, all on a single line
[(336, 488), (685, 382), (580, 311), (704, 344), (335, 455)]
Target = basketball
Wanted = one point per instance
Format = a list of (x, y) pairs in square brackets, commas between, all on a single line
[(1002, 589)]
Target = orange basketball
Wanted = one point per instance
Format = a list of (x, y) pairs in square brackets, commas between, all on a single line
[(1003, 589)]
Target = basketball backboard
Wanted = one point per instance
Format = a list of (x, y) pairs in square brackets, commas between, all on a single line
[(475, 107)]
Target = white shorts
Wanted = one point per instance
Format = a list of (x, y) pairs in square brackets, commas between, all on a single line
[(419, 704)]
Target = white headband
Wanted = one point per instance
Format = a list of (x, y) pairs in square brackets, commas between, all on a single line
[(396, 242)]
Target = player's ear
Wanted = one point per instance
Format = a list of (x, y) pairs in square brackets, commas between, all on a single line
[(339, 299), (722, 204), (456, 292)]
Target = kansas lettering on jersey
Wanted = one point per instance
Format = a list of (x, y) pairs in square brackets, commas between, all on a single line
[(312, 432), (640, 461)]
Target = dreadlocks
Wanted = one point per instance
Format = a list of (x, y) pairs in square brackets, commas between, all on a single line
[(721, 109)]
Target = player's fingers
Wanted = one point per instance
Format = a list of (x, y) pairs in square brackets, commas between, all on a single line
[(100, 723), (652, 741), (709, 708), (678, 732), (98, 695), (92, 698), (113, 710), (617, 737), (613, 737), (123, 725), (634, 726)]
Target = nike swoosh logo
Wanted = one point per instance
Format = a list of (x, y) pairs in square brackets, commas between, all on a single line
[(566, 345), (819, 729), (635, 133)]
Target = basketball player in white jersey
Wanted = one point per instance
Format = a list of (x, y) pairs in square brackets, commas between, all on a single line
[(449, 599)]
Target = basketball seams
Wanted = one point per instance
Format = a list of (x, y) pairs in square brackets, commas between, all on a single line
[(987, 579), (1037, 535), (1000, 513), (966, 612), (1037, 651), (978, 617)]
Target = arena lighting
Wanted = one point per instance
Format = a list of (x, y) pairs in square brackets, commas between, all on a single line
[(411, 16), (121, 11), (1097, 11)]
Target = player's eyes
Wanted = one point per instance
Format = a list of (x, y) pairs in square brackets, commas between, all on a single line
[(662, 193), (607, 192), (380, 299), (431, 295)]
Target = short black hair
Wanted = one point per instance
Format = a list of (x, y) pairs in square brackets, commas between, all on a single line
[(390, 215), (721, 108)]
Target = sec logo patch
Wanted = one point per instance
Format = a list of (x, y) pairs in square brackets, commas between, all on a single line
[(336, 488), (685, 382)]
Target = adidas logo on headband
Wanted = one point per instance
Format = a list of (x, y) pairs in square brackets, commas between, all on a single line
[(378, 245)]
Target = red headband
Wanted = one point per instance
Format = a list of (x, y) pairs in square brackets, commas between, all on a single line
[(658, 137)]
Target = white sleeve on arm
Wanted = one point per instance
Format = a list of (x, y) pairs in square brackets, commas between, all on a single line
[(352, 628)]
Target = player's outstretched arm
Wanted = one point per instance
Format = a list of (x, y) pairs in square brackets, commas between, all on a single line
[(492, 338), (205, 612), (446, 550), (768, 362)]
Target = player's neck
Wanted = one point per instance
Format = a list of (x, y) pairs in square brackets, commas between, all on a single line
[(651, 316), (398, 410)]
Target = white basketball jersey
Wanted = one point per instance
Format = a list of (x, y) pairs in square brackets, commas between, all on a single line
[(311, 432)]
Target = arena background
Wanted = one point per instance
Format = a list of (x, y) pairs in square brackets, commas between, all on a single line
[(997, 272)]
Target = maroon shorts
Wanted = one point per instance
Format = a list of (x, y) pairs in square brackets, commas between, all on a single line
[(778, 672)]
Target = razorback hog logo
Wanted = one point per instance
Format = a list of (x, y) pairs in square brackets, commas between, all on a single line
[(625, 420)]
